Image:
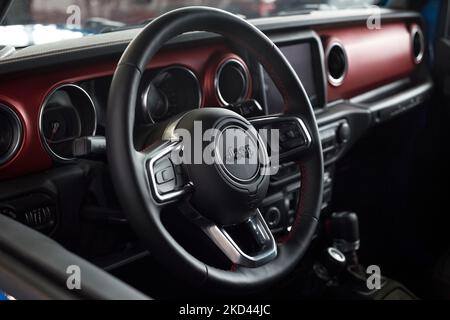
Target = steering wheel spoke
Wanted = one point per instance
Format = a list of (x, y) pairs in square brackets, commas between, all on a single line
[(287, 137), (165, 175), (249, 244)]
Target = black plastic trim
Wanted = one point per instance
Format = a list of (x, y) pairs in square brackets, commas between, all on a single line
[(358, 119), (43, 256), (387, 107)]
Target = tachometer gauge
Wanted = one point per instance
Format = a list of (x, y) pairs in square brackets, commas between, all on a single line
[(173, 90)]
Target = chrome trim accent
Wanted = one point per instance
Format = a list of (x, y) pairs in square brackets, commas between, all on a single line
[(233, 252), (333, 81), (150, 160), (336, 254), (416, 30), (41, 112), (18, 137), (144, 96), (217, 77)]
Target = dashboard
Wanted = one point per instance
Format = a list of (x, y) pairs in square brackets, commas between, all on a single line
[(52, 95)]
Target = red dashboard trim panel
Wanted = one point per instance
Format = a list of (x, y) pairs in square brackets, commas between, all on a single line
[(26, 92), (375, 57)]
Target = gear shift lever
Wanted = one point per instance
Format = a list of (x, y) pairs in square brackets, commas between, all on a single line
[(343, 228)]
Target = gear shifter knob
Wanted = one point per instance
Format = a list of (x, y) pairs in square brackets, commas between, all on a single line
[(333, 260), (330, 264), (343, 228)]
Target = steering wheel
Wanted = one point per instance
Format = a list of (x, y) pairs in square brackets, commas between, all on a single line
[(223, 198)]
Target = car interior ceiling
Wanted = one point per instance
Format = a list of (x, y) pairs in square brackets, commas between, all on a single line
[(382, 122)]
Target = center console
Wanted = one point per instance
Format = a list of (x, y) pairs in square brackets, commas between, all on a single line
[(305, 53), (279, 208)]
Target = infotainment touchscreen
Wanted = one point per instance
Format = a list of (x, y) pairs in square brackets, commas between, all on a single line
[(301, 59)]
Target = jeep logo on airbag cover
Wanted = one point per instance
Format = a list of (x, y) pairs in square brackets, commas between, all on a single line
[(237, 152)]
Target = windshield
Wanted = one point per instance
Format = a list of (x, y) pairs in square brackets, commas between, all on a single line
[(29, 22)]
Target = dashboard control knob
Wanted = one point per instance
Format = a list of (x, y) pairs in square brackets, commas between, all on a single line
[(343, 133)]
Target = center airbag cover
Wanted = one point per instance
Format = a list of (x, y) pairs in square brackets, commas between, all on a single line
[(238, 158), (231, 189)]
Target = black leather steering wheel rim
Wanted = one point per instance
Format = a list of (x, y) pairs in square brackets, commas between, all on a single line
[(131, 185)]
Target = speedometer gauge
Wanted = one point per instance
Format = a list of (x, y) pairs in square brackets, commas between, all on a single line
[(173, 90), (68, 113)]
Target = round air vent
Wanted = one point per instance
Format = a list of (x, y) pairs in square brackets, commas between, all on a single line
[(232, 82), (10, 133), (337, 64), (418, 44)]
